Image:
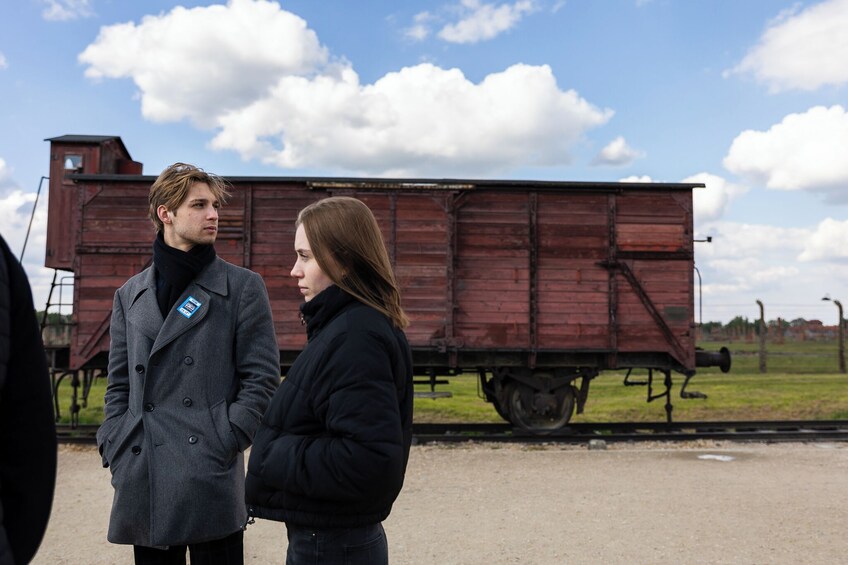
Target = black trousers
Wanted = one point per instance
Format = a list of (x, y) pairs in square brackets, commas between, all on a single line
[(224, 551)]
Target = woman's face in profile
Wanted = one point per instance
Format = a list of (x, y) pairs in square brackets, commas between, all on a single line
[(311, 280)]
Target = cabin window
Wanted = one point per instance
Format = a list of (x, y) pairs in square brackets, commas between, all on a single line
[(73, 163)]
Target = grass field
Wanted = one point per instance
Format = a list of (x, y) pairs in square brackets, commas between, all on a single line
[(801, 383)]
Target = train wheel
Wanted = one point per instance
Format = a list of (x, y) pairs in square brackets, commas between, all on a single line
[(502, 409), (500, 397), (539, 411)]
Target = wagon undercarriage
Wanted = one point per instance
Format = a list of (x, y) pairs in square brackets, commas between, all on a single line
[(545, 399)]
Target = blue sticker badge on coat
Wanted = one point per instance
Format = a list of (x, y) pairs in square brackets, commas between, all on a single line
[(189, 307)]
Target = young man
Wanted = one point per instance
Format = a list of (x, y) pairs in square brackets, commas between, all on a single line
[(192, 365)]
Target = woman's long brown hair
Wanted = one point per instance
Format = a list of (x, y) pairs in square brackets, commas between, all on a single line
[(348, 245)]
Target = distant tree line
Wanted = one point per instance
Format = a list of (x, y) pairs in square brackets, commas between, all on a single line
[(55, 328), (741, 327)]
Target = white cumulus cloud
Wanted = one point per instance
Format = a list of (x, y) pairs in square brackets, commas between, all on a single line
[(419, 119), (199, 63), (16, 211), (420, 28), (803, 152), (636, 178), (710, 203), (789, 269), (63, 10), (3, 63), (828, 242), (258, 78), (481, 21), (802, 50), (746, 259), (754, 242), (617, 153), (4, 173)]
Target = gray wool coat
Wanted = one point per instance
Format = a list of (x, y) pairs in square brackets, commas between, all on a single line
[(185, 397)]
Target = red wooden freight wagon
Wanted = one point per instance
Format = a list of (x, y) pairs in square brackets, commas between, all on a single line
[(535, 286)]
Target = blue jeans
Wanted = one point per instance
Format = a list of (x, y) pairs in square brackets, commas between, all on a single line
[(364, 545)]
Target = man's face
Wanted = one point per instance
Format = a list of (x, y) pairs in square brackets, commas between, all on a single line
[(194, 222)]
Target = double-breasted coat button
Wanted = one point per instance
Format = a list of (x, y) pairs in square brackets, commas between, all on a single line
[(186, 401), (139, 368), (192, 439), (188, 360), (149, 407), (136, 450)]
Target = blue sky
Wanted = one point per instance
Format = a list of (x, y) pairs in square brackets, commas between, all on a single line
[(749, 97)]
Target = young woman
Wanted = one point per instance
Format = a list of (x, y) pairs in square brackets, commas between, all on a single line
[(331, 453)]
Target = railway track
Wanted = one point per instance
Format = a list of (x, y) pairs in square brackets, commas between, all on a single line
[(83, 434), (768, 431), (764, 430)]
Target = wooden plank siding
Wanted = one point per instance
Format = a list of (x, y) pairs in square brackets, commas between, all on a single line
[(573, 288), (653, 224), (488, 303), (492, 300), (420, 257), (275, 209), (526, 268)]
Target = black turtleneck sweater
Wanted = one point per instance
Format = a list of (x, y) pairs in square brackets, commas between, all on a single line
[(175, 269)]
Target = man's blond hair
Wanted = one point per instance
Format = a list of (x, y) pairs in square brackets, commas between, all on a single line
[(172, 186)]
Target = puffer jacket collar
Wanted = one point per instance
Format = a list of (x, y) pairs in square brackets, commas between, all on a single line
[(319, 311)]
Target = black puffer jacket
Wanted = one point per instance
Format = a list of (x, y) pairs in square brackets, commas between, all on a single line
[(333, 446), (27, 431)]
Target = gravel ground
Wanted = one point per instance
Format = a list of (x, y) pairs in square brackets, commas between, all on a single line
[(498, 504)]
